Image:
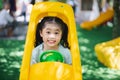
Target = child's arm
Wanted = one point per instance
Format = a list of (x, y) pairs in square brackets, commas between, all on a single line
[(34, 57)]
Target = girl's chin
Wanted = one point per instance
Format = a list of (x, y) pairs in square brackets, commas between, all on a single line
[(52, 45)]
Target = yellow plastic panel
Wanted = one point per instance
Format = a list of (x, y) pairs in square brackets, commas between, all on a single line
[(51, 71), (72, 72), (104, 17), (108, 53)]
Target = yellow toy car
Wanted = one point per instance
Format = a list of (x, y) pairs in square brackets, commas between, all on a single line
[(51, 70)]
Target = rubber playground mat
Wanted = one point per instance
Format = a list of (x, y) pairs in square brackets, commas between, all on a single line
[(11, 52)]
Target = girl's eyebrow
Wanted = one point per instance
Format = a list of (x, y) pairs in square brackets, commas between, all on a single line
[(48, 29), (58, 30), (55, 30)]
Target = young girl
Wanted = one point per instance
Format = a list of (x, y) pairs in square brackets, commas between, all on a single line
[(51, 34)]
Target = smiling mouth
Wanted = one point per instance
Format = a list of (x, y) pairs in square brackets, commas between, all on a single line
[(51, 41)]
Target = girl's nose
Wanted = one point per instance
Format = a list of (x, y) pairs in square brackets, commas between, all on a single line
[(52, 35)]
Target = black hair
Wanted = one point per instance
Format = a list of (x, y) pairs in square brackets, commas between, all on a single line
[(50, 19)]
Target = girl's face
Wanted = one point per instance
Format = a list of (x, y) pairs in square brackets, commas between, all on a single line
[(51, 35)]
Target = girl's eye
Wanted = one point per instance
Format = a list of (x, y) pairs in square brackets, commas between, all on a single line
[(48, 32), (56, 32)]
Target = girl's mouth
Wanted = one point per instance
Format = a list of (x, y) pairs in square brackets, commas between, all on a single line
[(51, 41)]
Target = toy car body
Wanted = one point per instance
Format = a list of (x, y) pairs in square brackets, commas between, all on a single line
[(51, 70)]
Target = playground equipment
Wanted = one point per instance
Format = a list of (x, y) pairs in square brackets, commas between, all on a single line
[(51, 70), (108, 53), (104, 17)]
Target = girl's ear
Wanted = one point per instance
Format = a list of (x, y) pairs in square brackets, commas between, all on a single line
[(40, 33)]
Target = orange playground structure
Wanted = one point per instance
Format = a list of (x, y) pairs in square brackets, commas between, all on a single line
[(51, 70), (104, 17), (108, 53)]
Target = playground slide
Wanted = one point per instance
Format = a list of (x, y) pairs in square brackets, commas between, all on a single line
[(104, 17), (51, 70), (108, 53)]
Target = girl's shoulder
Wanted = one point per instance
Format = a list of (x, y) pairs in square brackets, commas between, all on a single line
[(38, 47), (63, 49)]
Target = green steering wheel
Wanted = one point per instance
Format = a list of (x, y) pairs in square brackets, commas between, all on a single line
[(51, 55)]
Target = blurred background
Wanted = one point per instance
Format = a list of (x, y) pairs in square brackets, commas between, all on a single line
[(97, 21)]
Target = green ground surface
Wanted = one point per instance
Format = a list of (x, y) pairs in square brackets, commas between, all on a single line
[(11, 52)]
